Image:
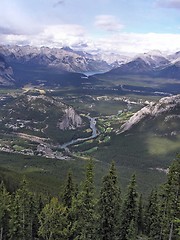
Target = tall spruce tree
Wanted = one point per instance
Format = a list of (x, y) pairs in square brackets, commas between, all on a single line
[(129, 210), (53, 221), (69, 194), (131, 233), (152, 222), (22, 214), (69, 191), (109, 206), (5, 201), (170, 200), (84, 226)]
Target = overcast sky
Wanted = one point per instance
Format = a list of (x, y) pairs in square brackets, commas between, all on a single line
[(111, 25)]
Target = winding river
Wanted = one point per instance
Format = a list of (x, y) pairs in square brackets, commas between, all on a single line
[(95, 133)]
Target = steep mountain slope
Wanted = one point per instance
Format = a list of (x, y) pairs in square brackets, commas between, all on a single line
[(136, 66), (172, 71), (167, 109), (149, 139), (45, 76), (6, 73), (174, 57)]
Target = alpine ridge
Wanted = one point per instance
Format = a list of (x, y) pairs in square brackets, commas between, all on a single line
[(165, 105)]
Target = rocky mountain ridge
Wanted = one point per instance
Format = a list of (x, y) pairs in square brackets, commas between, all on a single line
[(154, 64), (27, 62), (164, 105), (64, 59)]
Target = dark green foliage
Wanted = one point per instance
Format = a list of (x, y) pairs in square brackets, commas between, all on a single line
[(22, 214), (152, 221), (129, 210), (170, 201), (109, 206), (132, 231), (140, 220), (26, 216), (5, 202), (69, 191), (69, 195), (84, 226), (53, 221)]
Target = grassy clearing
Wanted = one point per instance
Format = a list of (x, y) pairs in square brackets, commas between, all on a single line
[(162, 145)]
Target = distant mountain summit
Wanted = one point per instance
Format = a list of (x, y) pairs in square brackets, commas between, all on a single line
[(136, 66)]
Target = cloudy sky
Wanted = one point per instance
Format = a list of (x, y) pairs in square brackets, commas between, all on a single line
[(110, 25)]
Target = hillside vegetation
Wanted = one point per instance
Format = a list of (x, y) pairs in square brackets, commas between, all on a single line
[(78, 213)]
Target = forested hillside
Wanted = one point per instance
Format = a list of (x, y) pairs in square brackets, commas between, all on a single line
[(80, 212)]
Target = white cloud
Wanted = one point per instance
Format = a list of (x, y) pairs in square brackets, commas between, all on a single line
[(169, 3), (51, 35), (137, 43), (108, 23), (15, 20), (64, 34), (74, 35)]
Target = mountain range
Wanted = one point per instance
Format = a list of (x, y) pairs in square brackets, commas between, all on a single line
[(33, 65), (64, 59), (153, 64)]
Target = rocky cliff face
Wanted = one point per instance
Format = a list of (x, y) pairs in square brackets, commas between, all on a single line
[(70, 120), (6, 73), (164, 105)]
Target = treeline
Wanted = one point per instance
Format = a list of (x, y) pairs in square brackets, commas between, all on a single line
[(80, 214)]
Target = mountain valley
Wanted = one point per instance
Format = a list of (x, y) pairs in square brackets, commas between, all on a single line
[(49, 102)]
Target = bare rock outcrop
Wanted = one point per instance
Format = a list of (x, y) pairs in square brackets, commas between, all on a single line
[(70, 120), (164, 105)]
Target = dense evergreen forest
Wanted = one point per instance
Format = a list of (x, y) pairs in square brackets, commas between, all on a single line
[(80, 213)]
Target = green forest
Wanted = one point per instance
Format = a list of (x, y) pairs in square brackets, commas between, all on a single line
[(81, 212)]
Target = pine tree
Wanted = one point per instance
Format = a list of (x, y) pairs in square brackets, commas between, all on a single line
[(129, 210), (152, 223), (5, 202), (109, 206), (22, 214), (53, 221), (69, 191), (170, 199), (177, 221), (84, 226), (132, 231), (38, 205), (140, 220)]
